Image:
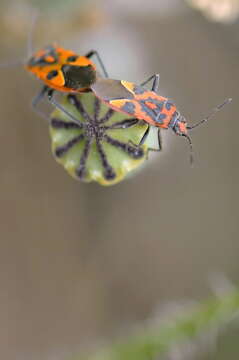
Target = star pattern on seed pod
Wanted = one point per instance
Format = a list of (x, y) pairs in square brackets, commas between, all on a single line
[(101, 145)]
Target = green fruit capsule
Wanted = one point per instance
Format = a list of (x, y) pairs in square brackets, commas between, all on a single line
[(100, 145)]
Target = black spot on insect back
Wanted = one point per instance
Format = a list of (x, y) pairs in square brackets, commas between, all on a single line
[(52, 74), (129, 107), (77, 77), (72, 58), (49, 57)]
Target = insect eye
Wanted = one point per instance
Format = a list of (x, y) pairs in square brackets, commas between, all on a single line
[(72, 58), (52, 74)]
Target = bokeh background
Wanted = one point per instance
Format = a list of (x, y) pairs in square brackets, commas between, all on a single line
[(81, 263)]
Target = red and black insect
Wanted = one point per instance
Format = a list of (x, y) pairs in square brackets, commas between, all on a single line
[(65, 71), (146, 105)]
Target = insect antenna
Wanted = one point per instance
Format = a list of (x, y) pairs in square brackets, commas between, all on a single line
[(29, 45), (214, 111), (191, 148), (31, 33)]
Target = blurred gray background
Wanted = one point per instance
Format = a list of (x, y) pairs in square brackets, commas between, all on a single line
[(80, 263)]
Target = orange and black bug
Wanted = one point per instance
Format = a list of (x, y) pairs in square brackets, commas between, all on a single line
[(59, 69), (146, 105), (63, 70)]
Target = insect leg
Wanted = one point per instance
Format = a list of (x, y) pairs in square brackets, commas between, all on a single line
[(159, 143), (144, 137), (124, 124), (155, 79), (159, 140), (61, 108), (37, 99), (79, 106), (142, 141), (94, 52)]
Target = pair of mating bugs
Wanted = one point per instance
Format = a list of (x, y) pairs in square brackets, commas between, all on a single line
[(64, 71)]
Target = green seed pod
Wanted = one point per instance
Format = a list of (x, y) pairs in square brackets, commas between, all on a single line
[(101, 145)]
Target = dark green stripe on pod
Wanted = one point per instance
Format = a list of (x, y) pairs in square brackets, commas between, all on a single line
[(102, 149)]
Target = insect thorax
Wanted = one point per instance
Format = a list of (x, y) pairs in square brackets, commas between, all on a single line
[(178, 123), (77, 77)]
